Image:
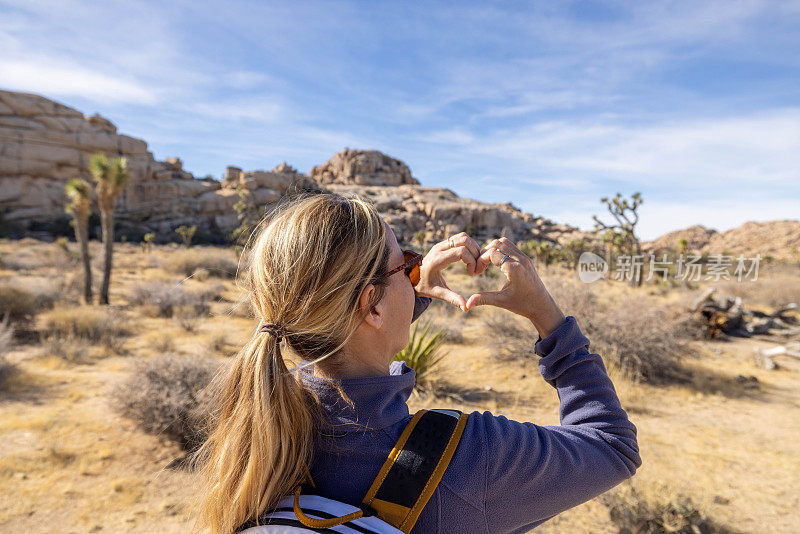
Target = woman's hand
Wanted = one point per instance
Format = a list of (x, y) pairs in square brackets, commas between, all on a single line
[(441, 255), (524, 293)]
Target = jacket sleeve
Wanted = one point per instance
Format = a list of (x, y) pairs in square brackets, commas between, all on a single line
[(535, 472)]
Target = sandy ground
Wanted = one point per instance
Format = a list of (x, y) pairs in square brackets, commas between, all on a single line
[(68, 462)]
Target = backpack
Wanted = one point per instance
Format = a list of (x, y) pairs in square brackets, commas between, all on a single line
[(400, 491)]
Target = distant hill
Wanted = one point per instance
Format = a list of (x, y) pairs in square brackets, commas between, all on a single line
[(779, 239)]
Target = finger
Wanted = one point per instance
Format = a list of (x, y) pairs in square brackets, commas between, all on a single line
[(452, 297), (465, 240), (489, 245), (462, 249), (492, 298), (465, 254), (484, 258), (509, 247), (492, 255), (462, 239), (445, 258), (473, 247), (495, 253)]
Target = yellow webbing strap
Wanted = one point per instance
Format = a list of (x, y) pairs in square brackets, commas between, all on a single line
[(415, 466), (321, 523)]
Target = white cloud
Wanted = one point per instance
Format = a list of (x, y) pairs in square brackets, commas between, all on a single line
[(762, 147), (61, 79)]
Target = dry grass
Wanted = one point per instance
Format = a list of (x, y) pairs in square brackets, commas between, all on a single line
[(70, 333), (23, 302), (205, 261), (92, 323), (32, 255), (776, 286)]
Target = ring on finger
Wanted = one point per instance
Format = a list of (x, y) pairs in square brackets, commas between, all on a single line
[(504, 258), (450, 240)]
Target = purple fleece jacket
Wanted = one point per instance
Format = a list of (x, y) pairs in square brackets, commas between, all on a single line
[(505, 476)]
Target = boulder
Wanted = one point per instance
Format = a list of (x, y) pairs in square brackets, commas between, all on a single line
[(363, 167)]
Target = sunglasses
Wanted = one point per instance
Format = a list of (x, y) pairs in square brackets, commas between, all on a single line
[(411, 261)]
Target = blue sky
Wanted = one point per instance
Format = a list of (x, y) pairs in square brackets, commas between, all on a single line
[(549, 105)]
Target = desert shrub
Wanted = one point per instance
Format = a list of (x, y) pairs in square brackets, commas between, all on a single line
[(454, 333), (574, 298), (167, 396), (18, 303), (643, 341), (216, 262), (423, 352), (31, 255), (632, 512), (22, 302), (517, 336), (189, 316), (163, 299), (212, 292), (90, 323), (69, 349)]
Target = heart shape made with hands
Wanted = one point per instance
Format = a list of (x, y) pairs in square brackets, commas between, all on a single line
[(477, 260)]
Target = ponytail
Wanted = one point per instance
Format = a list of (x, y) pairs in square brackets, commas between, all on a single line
[(260, 444)]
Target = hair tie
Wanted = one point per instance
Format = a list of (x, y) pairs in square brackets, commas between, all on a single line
[(277, 330)]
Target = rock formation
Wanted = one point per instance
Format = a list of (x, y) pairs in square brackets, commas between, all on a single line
[(363, 167), (44, 143), (433, 213)]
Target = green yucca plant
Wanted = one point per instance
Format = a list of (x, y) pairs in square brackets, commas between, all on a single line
[(423, 352)]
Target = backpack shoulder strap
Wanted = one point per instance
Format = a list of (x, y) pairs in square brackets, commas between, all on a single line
[(415, 466)]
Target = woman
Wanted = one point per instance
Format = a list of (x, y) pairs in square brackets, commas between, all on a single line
[(318, 280)]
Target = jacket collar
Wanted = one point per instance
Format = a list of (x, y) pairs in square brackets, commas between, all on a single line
[(378, 402)]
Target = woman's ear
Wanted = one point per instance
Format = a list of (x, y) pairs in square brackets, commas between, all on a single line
[(375, 316)]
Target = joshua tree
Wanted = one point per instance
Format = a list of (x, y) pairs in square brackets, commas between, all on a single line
[(622, 234), (79, 193), (683, 245), (186, 233), (571, 252), (111, 176), (247, 213), (147, 241), (541, 251)]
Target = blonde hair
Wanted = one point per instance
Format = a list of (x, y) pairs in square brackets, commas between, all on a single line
[(309, 262)]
